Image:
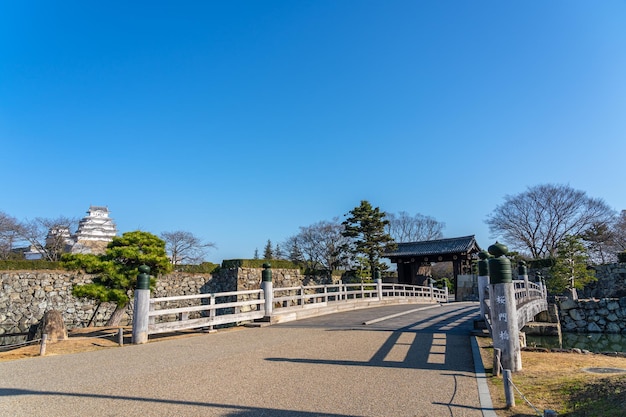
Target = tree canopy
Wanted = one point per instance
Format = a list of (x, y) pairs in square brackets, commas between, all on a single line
[(403, 227), (185, 248), (116, 271), (319, 246), (365, 227), (570, 269), (539, 218)]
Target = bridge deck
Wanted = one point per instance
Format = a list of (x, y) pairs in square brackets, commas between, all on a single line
[(414, 364)]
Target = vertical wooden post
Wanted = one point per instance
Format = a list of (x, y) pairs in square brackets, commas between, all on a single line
[(508, 388), (503, 309), (142, 306), (497, 357), (379, 284), (268, 290), (120, 336), (483, 281), (42, 347), (212, 312), (431, 289), (522, 274)]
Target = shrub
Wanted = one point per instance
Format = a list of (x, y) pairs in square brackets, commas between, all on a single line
[(30, 265), (541, 263), (203, 268), (258, 263)]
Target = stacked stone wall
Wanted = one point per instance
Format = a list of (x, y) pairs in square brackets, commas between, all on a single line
[(606, 315), (611, 282), (26, 295)]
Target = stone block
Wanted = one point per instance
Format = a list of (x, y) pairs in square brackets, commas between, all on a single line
[(576, 314), (613, 328), (613, 305), (593, 328), (568, 304), (54, 326)]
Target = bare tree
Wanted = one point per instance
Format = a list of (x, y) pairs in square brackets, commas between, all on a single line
[(185, 248), (539, 218), (49, 237), (618, 232), (598, 240), (10, 232), (320, 245), (406, 228)]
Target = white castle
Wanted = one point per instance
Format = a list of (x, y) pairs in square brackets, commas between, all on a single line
[(95, 231)]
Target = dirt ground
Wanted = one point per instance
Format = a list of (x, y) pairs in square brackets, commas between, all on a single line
[(84, 340)]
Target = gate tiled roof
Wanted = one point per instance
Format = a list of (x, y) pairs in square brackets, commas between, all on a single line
[(463, 244)]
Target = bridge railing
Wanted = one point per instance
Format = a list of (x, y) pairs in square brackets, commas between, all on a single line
[(214, 309), (315, 294), (524, 291), (210, 310)]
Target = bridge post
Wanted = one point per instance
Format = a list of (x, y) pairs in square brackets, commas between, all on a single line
[(522, 274), (431, 287), (542, 284), (268, 289), (483, 280), (503, 309), (379, 284), (141, 306)]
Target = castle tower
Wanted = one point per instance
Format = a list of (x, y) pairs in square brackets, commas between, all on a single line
[(95, 231)]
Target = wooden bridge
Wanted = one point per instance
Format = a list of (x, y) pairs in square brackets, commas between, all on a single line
[(276, 305), (530, 300)]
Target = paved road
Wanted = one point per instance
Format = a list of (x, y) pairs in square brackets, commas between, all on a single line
[(414, 363)]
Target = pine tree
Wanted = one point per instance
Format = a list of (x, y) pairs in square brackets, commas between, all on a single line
[(570, 270), (268, 252), (116, 271), (365, 226)]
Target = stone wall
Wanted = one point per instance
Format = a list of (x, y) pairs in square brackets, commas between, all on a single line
[(606, 315), (611, 282), (26, 295)]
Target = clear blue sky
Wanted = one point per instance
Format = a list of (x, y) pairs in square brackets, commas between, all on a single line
[(241, 121)]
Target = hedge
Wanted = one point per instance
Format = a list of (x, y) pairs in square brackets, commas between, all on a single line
[(541, 263), (30, 265), (258, 263), (203, 268)]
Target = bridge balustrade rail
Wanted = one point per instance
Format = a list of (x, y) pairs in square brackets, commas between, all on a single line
[(525, 292), (242, 306)]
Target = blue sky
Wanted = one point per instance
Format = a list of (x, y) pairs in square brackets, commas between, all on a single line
[(241, 121)]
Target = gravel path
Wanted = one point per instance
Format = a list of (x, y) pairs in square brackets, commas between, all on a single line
[(413, 364)]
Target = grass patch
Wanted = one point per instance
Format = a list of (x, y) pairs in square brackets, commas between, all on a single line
[(557, 381)]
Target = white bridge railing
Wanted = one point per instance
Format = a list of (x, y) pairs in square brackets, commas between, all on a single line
[(210, 310), (525, 292)]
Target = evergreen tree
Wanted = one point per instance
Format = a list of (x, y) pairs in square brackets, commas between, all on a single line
[(365, 226), (295, 253), (570, 267), (256, 253), (116, 271), (268, 253)]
